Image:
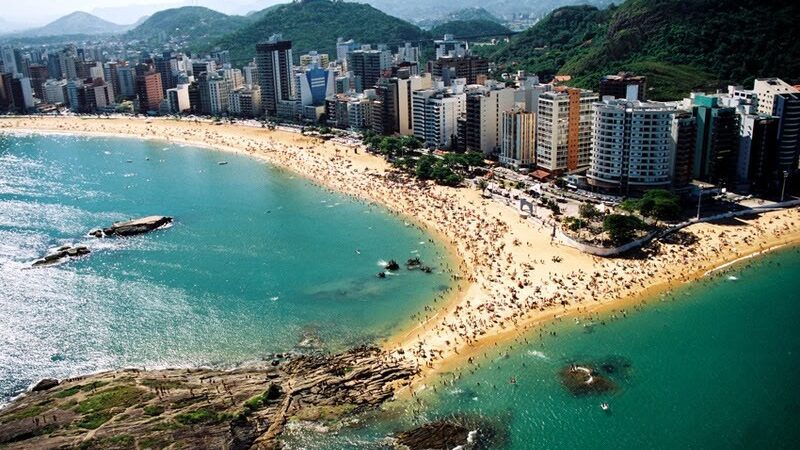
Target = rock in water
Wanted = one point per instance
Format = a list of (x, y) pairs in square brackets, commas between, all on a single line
[(434, 436), (62, 253), (133, 227), (45, 384)]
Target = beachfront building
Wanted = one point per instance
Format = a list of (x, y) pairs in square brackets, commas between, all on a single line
[(178, 99), (485, 106), (275, 73), (717, 145), (779, 99), (436, 112), (518, 138), (633, 146), (757, 150), (55, 92), (148, 89), (246, 102), (684, 134), (564, 129)]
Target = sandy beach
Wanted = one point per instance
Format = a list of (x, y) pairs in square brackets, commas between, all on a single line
[(512, 275)]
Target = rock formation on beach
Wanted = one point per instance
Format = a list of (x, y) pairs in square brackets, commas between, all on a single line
[(200, 408), (133, 227)]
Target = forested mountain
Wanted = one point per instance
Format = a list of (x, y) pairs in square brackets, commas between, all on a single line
[(316, 24), (679, 44), (197, 26), (470, 28), (78, 22)]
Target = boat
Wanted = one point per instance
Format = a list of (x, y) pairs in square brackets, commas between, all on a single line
[(604, 406), (222, 163)]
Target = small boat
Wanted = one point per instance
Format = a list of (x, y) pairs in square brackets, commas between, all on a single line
[(604, 406), (381, 274), (358, 252), (222, 163)]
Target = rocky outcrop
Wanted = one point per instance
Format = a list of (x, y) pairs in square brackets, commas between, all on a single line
[(61, 254), (201, 408), (45, 384), (133, 227)]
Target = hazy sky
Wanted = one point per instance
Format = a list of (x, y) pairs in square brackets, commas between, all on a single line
[(120, 11)]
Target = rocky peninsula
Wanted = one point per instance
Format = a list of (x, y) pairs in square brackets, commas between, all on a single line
[(201, 408)]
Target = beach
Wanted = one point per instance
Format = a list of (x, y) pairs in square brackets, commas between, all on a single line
[(511, 275)]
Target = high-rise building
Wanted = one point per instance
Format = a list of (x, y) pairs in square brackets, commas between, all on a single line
[(564, 129), (407, 53), (178, 99), (369, 64), (316, 84), (250, 73), (76, 96), (518, 138), (484, 108), (436, 112), (275, 77), (633, 146), (684, 134), (126, 80), (99, 95), (149, 91), (405, 109), (9, 60), (55, 92), (716, 151), (166, 66), (39, 76), (781, 100), (314, 59), (624, 85), (246, 102), (450, 47), (343, 47), (472, 68), (757, 159)]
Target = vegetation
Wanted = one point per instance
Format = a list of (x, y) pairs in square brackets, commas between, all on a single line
[(656, 203), (679, 45), (588, 211), (199, 27), (315, 25), (201, 415), (622, 228), (153, 410)]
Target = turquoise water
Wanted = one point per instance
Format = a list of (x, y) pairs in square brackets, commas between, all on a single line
[(714, 365), (258, 261)]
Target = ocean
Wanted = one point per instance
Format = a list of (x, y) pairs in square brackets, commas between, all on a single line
[(258, 261)]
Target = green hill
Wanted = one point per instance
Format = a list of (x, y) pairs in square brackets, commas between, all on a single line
[(194, 26), (679, 44), (315, 25), (470, 28)]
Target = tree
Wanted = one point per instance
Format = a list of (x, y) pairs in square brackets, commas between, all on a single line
[(622, 228), (588, 211), (424, 169)]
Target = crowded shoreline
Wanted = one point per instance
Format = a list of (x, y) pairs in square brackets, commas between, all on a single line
[(510, 274)]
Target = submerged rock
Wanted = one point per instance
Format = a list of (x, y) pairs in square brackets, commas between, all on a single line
[(133, 227), (463, 432), (585, 380)]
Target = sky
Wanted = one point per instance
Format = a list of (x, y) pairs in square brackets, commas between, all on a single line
[(118, 11)]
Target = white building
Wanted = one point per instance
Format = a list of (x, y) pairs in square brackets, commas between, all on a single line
[(435, 114), (219, 89), (246, 102), (518, 138), (178, 99), (55, 91), (633, 145), (405, 89), (766, 89), (450, 47)]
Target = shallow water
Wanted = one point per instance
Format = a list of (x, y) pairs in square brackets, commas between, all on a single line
[(713, 365), (258, 260)]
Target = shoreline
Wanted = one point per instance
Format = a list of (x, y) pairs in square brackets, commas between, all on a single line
[(494, 303)]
